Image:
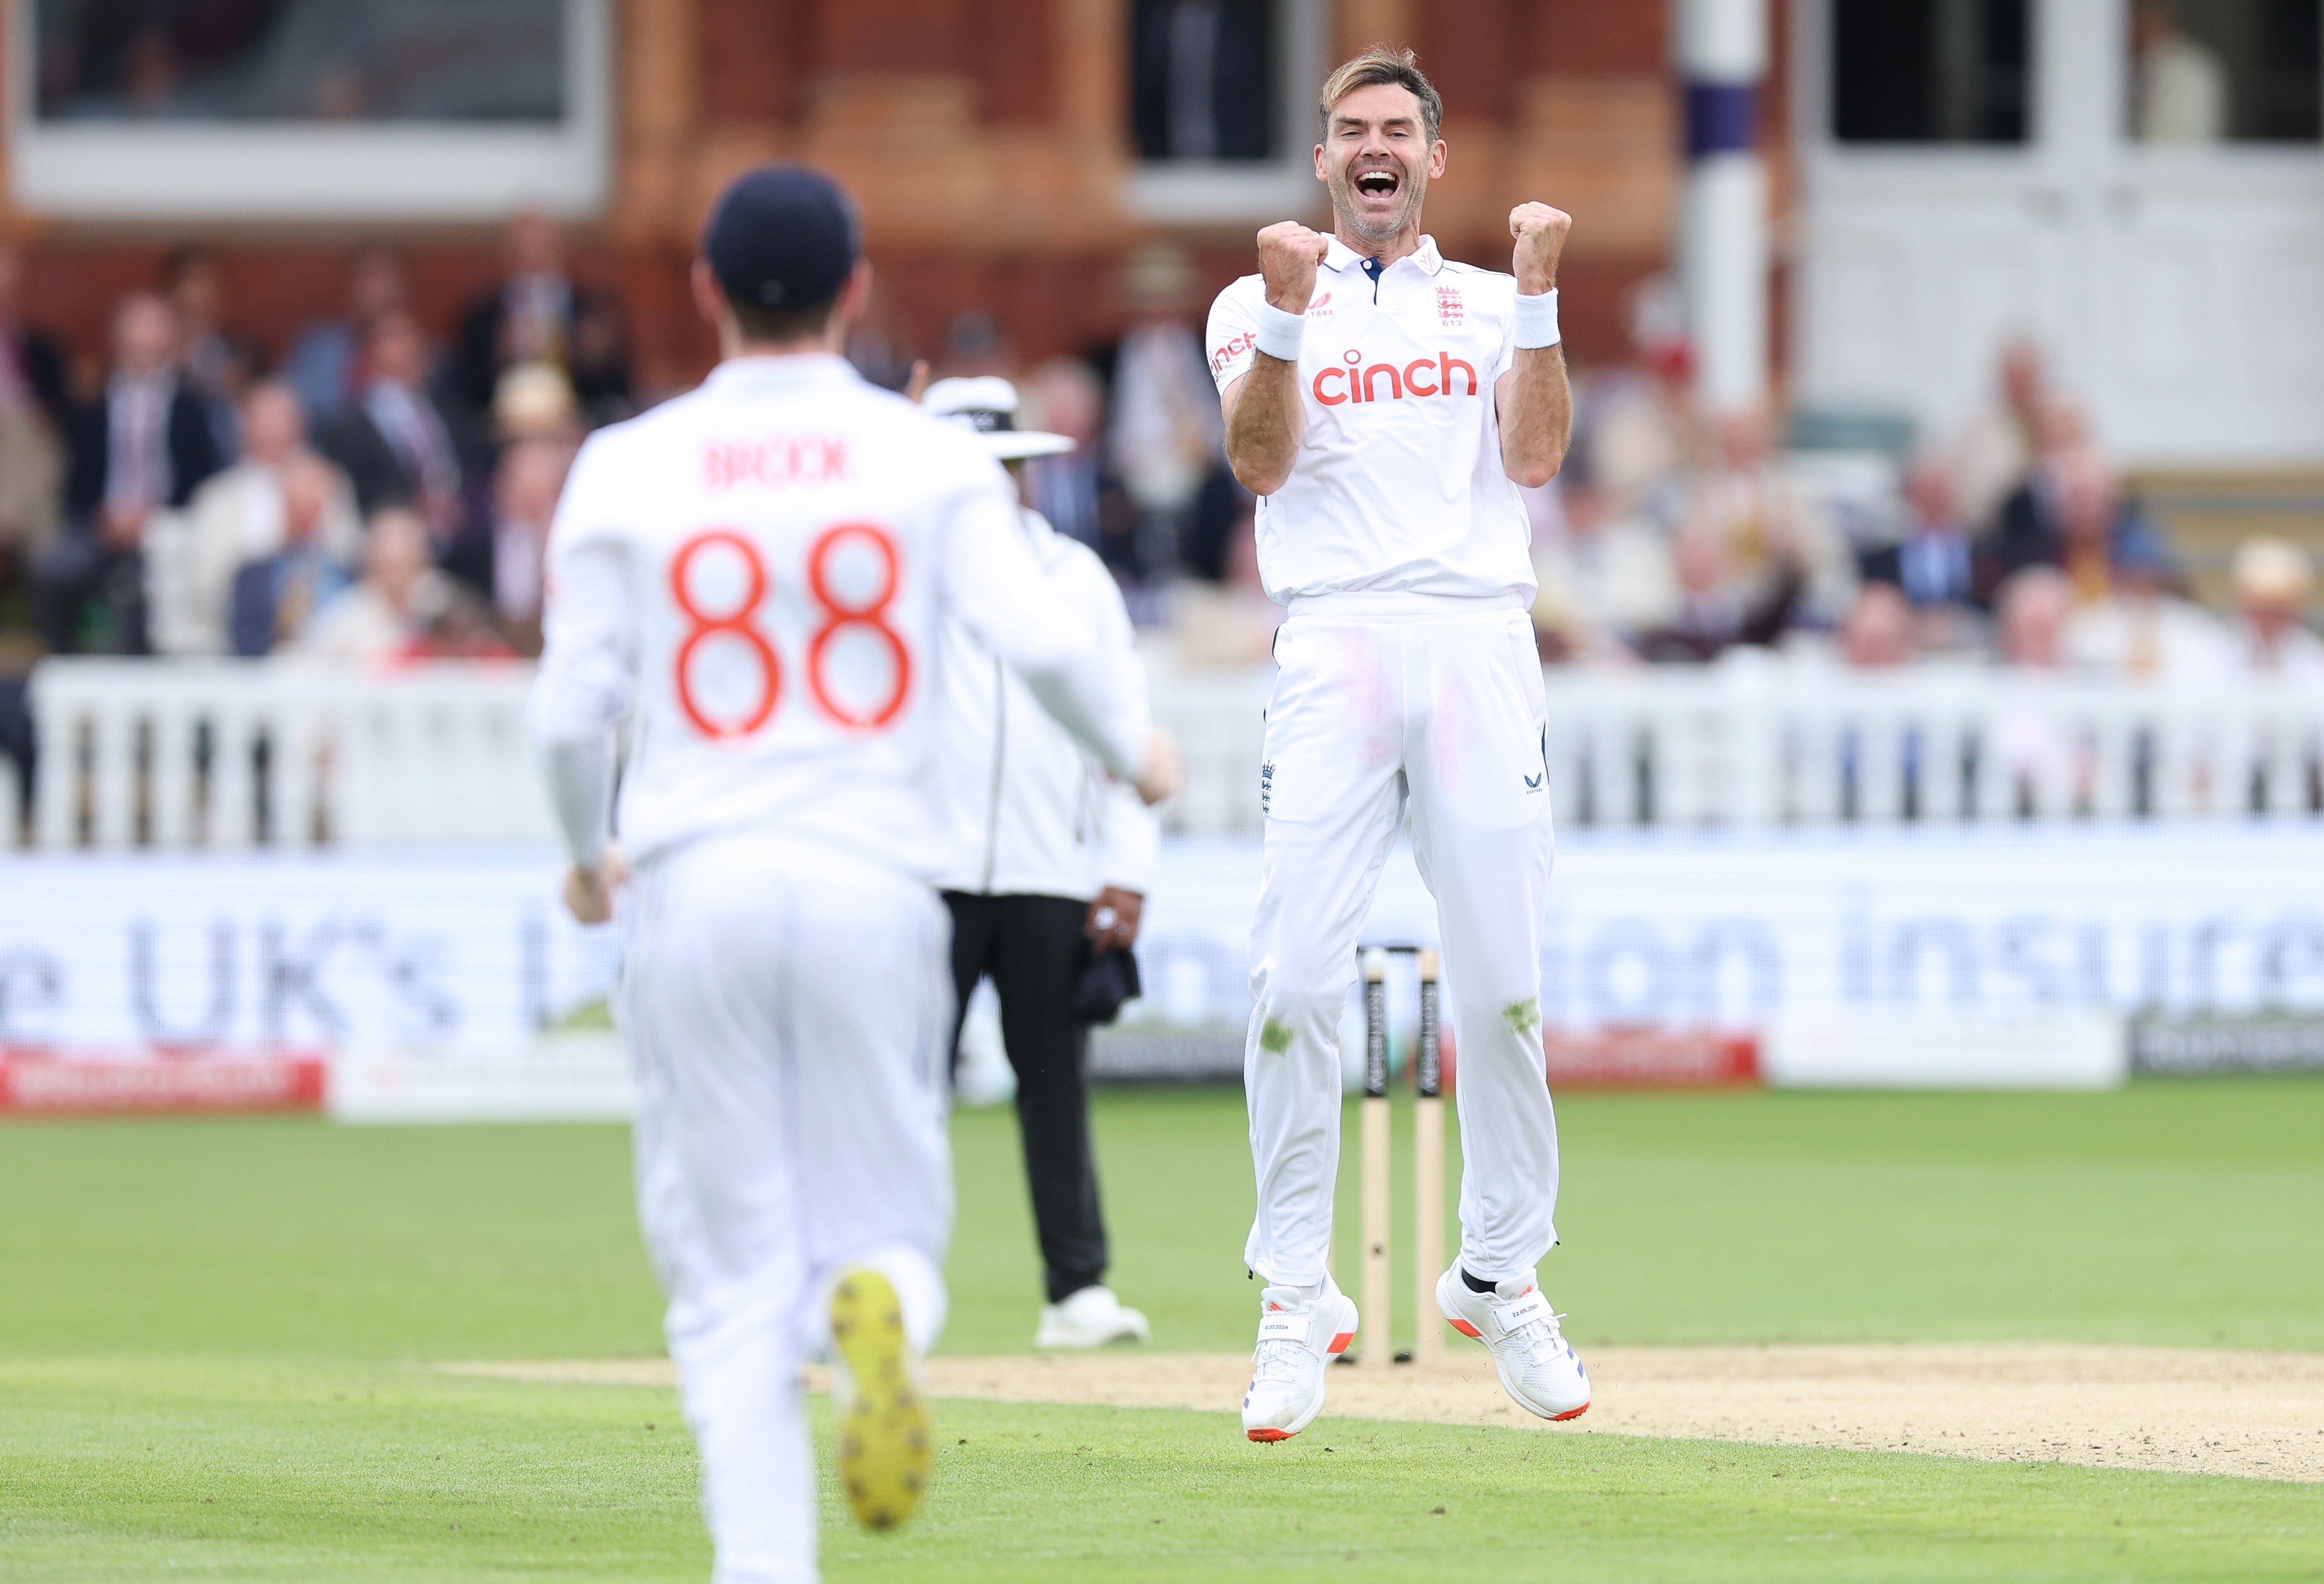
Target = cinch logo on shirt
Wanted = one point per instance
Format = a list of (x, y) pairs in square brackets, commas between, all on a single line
[(1232, 350), (1362, 382)]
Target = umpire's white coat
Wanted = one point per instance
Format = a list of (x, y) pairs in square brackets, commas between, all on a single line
[(1034, 813)]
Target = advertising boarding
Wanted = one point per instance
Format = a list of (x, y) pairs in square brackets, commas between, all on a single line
[(447, 984)]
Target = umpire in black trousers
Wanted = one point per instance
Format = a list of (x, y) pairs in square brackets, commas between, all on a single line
[(1051, 861)]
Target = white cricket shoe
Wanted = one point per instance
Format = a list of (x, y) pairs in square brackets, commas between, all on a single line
[(1299, 1338), (1537, 1364), (1091, 1318)]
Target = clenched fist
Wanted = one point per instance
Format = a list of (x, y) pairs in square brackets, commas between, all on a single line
[(1540, 231), (1289, 253)]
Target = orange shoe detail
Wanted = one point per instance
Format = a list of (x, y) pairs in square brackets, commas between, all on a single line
[(1340, 1343), (1569, 1413), (1466, 1329), (1279, 1434)]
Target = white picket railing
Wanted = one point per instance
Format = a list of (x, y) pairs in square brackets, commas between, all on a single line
[(230, 754), (1760, 741)]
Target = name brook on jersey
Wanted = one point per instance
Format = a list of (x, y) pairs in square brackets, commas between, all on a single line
[(788, 459)]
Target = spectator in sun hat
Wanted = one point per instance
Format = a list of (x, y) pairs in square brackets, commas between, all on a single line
[(1051, 863), (538, 313), (2272, 578)]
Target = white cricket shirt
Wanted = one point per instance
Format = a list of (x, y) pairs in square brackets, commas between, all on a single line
[(756, 576), (1033, 814), (1398, 485)]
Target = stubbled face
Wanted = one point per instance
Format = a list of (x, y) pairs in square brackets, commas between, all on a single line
[(1376, 159)]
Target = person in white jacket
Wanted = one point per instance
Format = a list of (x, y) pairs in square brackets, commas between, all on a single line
[(1051, 860)]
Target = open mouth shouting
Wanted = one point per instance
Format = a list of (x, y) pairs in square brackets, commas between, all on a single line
[(1378, 197)]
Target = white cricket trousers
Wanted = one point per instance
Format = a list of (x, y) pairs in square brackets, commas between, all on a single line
[(1385, 703), (787, 1009)]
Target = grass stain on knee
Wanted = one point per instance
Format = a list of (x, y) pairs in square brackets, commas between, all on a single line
[(1274, 1037), (1523, 1017)]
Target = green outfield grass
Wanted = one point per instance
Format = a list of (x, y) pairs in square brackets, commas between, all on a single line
[(244, 1470), (2179, 1213), (210, 1335)]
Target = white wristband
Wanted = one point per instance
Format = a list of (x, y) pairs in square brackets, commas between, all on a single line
[(1279, 331), (1535, 322)]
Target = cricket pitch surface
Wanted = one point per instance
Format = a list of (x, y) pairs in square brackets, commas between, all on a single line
[(2190, 1411)]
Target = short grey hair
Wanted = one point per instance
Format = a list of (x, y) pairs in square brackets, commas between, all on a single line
[(1376, 66)]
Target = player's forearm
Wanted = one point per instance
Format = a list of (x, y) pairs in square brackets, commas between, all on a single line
[(1263, 425), (1537, 417), (1106, 720), (579, 771), (586, 681)]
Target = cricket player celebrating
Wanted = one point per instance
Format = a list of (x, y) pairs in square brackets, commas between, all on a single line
[(1385, 403), (753, 577)]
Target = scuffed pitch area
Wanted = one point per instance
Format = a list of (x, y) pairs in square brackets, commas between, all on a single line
[(2257, 1415)]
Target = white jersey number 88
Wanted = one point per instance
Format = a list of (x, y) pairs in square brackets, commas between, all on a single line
[(860, 612)]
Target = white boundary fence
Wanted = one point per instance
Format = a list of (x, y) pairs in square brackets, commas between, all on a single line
[(175, 755), (234, 754)]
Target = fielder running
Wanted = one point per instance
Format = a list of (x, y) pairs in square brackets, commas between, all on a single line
[(754, 576), (1385, 403)]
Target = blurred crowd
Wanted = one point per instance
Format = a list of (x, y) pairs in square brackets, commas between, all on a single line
[(1671, 536), (377, 489), (1147, 484), (381, 488)]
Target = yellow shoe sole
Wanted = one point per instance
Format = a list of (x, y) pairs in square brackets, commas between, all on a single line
[(885, 1446)]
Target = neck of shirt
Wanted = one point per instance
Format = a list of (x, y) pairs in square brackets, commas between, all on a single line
[(1402, 245)]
